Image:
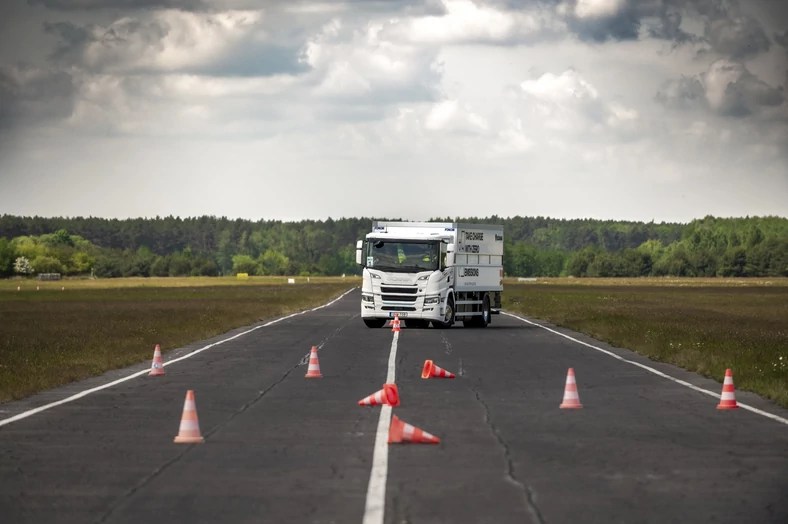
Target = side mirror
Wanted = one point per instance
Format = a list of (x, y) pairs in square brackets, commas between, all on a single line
[(359, 248), (449, 259)]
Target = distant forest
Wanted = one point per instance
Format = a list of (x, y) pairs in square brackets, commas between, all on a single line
[(534, 246)]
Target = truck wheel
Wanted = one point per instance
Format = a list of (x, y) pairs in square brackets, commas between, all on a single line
[(449, 315), (375, 322), (483, 320), (486, 317)]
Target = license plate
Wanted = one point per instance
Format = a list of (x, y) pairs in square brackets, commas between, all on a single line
[(401, 314)]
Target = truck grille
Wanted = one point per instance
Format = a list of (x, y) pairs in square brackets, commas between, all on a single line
[(398, 308), (398, 294), (400, 290), (398, 298)]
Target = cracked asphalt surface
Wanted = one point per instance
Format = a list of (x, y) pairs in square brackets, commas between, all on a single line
[(282, 448)]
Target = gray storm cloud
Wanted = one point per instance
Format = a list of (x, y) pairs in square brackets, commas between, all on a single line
[(727, 88), (84, 5), (34, 95)]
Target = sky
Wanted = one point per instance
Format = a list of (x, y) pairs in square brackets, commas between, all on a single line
[(664, 110)]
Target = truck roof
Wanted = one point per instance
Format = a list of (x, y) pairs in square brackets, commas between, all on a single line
[(432, 225)]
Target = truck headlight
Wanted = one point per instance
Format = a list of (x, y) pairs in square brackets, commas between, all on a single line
[(424, 277), (432, 300), (367, 298)]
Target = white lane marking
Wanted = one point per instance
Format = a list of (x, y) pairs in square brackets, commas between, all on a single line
[(652, 370), (375, 508), (87, 392)]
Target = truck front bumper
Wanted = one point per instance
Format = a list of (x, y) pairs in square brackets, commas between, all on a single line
[(413, 310)]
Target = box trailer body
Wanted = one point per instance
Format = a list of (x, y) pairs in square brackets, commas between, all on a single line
[(431, 272)]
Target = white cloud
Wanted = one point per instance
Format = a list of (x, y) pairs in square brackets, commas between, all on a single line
[(568, 103), (450, 116), (167, 40), (546, 113), (466, 21), (569, 85), (351, 62), (512, 140), (176, 104), (598, 8), (343, 80)]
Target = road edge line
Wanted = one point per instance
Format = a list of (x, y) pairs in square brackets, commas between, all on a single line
[(375, 506), (652, 370), (87, 392)]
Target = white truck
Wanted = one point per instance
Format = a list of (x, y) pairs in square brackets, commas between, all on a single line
[(431, 272)]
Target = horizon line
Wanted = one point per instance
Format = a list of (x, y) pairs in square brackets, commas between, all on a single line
[(432, 219)]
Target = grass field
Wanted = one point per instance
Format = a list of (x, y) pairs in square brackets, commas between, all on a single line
[(157, 282), (656, 281), (50, 337), (703, 325)]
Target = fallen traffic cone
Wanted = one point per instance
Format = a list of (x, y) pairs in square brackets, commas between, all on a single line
[(189, 432), (314, 366), (400, 431), (728, 397), (431, 370), (157, 367), (571, 398), (389, 396)]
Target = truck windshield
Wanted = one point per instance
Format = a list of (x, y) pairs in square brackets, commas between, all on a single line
[(402, 256)]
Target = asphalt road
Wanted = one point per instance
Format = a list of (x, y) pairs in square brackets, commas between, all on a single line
[(283, 448)]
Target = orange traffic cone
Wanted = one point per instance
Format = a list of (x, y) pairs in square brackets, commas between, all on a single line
[(389, 396), (571, 398), (395, 323), (189, 432), (157, 367), (431, 370), (314, 366), (728, 397), (400, 431)]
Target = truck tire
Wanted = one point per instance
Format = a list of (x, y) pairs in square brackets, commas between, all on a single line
[(450, 311), (483, 320), (375, 322), (486, 317)]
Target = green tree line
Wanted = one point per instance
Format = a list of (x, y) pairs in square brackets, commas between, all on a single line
[(534, 246)]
